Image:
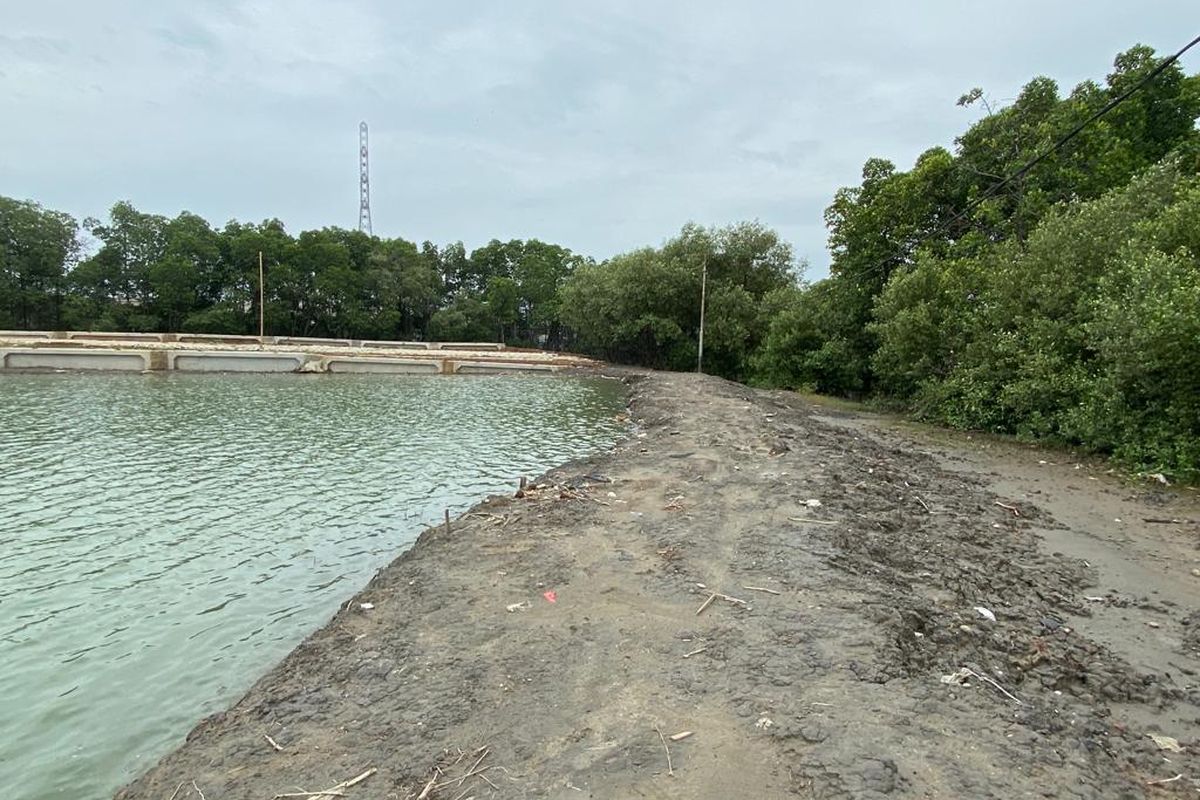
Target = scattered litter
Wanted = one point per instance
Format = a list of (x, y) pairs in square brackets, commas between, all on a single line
[(1158, 476), (551, 595), (366, 606), (511, 607), (986, 613), (679, 737), (813, 503), (763, 723), (1166, 743), (960, 678)]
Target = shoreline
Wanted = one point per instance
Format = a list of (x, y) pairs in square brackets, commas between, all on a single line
[(797, 589)]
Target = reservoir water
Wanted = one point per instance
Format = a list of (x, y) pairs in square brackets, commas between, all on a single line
[(164, 540)]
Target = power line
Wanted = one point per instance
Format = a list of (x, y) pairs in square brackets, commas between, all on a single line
[(1109, 106)]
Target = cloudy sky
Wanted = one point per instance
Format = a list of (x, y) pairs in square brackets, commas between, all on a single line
[(597, 125)]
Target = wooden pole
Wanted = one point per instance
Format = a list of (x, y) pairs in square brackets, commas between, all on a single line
[(261, 295), (703, 298)]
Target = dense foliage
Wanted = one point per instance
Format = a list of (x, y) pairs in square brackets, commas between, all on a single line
[(1064, 305)]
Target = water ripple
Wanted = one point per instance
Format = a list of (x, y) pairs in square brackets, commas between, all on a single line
[(165, 539)]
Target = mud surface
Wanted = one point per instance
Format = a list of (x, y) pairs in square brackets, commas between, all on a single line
[(866, 670)]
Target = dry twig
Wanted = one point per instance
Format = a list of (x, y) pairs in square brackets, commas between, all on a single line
[(177, 788), (273, 743), (667, 750), (808, 521), (1015, 511), (706, 604), (199, 791), (332, 791), (762, 589), (1164, 780), (1002, 690), (694, 652)]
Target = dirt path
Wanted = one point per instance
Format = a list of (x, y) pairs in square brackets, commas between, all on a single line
[(845, 680)]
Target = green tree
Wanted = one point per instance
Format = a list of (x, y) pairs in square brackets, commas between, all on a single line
[(37, 247)]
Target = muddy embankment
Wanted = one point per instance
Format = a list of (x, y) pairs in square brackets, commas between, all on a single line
[(831, 607)]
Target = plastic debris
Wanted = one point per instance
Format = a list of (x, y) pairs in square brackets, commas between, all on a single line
[(1168, 743), (551, 596), (511, 607), (366, 606), (986, 613), (960, 678), (814, 503)]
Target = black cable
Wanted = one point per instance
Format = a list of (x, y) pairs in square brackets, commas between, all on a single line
[(1109, 106)]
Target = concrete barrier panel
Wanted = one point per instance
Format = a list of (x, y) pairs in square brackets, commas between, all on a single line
[(469, 346), (216, 338), (497, 367), (72, 359), (219, 361), (310, 341), (25, 335), (399, 345), (114, 337), (385, 366)]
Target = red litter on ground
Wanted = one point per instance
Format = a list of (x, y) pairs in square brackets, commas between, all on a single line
[(551, 595)]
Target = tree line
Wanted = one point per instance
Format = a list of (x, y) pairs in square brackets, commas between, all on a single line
[(1063, 306)]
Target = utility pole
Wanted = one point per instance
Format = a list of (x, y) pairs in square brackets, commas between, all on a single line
[(703, 299), (261, 294)]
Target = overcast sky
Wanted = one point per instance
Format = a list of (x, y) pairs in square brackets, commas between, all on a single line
[(600, 126)]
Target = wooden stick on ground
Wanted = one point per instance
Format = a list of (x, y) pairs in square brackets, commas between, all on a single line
[(1015, 511), (694, 652), (667, 750), (437, 773), (762, 589), (273, 743), (199, 791), (922, 502), (706, 604), (808, 521), (332, 791), (177, 788)]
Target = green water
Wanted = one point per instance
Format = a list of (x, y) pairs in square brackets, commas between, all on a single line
[(164, 540)]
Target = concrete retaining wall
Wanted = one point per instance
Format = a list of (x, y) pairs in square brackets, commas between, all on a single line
[(384, 366), (226, 361), (221, 338), (46, 358), (496, 367)]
